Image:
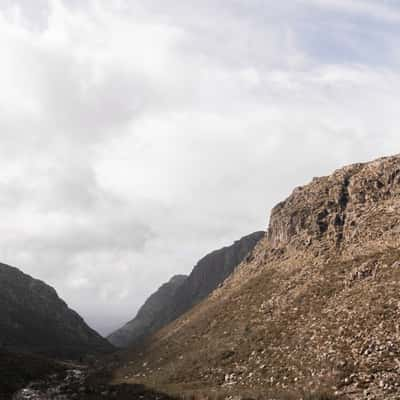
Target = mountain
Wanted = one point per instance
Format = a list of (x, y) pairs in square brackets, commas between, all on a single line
[(146, 317), (314, 308), (182, 293), (34, 319)]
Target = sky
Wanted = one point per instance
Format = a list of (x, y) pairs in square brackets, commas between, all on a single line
[(137, 136)]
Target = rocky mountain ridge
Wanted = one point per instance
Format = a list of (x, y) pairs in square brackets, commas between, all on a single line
[(34, 319), (143, 322), (181, 293), (315, 307)]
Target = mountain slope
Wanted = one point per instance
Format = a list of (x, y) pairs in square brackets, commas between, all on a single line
[(175, 300), (34, 319), (315, 306), (144, 320)]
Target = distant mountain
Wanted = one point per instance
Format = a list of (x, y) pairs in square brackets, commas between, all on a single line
[(34, 319), (146, 317), (181, 293)]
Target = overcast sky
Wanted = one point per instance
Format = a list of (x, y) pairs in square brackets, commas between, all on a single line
[(136, 136)]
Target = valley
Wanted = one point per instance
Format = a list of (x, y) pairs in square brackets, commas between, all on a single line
[(307, 310)]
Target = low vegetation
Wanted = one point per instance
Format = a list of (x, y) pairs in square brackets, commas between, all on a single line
[(17, 370)]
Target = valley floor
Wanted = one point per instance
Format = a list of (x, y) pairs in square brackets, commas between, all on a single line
[(32, 377), (17, 370)]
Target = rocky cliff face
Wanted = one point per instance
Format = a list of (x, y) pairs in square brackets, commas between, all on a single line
[(341, 210), (182, 293), (34, 319), (146, 317), (315, 307)]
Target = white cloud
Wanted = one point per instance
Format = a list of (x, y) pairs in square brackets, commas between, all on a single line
[(136, 136)]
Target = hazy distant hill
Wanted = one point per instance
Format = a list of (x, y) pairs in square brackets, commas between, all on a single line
[(34, 319), (145, 319), (181, 293)]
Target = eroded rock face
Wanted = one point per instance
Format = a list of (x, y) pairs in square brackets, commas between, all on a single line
[(180, 294), (34, 319), (343, 209)]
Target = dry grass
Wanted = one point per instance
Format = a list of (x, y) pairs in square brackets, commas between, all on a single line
[(301, 340)]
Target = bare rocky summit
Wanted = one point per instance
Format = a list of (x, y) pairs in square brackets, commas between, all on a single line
[(181, 293), (314, 307), (34, 319)]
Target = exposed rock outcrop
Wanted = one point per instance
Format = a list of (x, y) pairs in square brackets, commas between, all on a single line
[(182, 293), (315, 307), (355, 205), (34, 319)]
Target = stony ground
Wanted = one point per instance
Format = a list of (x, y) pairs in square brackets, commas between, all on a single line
[(17, 370), (80, 383), (32, 377)]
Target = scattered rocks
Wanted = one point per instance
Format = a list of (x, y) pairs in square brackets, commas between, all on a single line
[(55, 387), (79, 384)]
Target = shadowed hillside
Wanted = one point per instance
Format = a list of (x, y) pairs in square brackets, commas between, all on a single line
[(34, 319)]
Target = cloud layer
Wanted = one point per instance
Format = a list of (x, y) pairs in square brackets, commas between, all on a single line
[(137, 136)]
